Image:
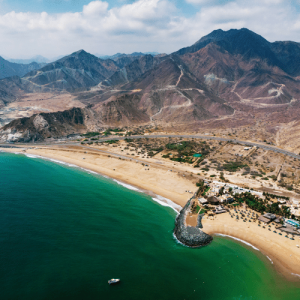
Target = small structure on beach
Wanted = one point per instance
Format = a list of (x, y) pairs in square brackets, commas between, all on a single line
[(220, 210), (270, 216), (264, 219), (267, 218), (202, 200)]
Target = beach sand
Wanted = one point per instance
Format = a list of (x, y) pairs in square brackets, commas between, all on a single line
[(157, 179), (154, 179), (282, 251)]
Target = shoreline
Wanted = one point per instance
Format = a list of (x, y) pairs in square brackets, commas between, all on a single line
[(279, 259), (155, 197), (281, 252)]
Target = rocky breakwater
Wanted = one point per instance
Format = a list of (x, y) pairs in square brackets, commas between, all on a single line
[(188, 235)]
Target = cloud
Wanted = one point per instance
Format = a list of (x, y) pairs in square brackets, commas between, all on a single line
[(201, 1), (95, 8), (144, 25)]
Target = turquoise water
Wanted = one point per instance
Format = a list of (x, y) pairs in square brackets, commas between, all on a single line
[(65, 232)]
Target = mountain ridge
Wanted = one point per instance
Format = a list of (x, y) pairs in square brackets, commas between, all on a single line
[(227, 77)]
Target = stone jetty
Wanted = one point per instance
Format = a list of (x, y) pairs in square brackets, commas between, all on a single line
[(188, 235)]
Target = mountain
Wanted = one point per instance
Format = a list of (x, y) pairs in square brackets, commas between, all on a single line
[(165, 93), (8, 69), (227, 79), (132, 70), (122, 59), (223, 72), (240, 64), (80, 70), (236, 42), (48, 125), (134, 54)]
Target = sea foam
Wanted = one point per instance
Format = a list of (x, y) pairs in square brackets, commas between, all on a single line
[(127, 186), (58, 162), (270, 259), (167, 202), (159, 199), (238, 240)]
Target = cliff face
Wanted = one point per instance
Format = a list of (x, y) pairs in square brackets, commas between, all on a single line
[(46, 125), (187, 235)]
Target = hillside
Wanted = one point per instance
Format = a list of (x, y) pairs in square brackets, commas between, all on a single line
[(80, 70), (47, 125)]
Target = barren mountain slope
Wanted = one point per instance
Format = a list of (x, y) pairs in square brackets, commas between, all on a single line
[(76, 71), (166, 93), (49, 125)]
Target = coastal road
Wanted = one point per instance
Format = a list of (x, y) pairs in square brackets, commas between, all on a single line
[(266, 147), (206, 137)]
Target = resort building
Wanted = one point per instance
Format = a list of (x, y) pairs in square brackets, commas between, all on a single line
[(264, 220), (213, 200), (270, 216), (267, 218), (295, 211), (220, 210), (202, 200), (282, 201)]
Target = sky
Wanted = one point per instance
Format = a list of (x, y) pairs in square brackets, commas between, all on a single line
[(59, 27)]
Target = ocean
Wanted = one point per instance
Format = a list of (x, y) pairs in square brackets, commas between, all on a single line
[(64, 232)]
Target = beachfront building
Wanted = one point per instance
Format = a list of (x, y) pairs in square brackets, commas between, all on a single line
[(203, 201), (267, 218), (281, 201), (213, 200), (264, 219), (220, 210), (295, 210), (270, 216)]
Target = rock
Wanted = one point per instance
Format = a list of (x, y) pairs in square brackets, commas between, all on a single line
[(188, 235)]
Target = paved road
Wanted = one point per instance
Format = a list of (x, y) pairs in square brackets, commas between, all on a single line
[(265, 147)]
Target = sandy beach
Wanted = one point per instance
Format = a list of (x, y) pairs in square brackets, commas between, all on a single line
[(283, 252), (156, 179), (153, 179)]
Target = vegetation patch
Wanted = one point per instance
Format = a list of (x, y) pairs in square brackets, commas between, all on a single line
[(234, 166)]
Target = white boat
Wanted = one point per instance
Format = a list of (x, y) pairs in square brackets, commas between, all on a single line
[(113, 281)]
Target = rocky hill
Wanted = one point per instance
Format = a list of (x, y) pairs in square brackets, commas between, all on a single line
[(80, 70), (48, 125), (133, 70)]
